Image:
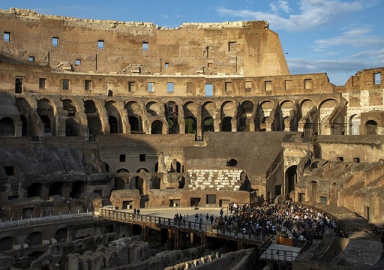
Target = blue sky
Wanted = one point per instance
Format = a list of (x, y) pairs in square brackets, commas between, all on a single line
[(338, 37)]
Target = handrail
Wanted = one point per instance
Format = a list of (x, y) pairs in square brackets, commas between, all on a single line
[(33, 221)]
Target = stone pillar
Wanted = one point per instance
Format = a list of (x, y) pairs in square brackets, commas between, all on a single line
[(103, 116), (199, 130)]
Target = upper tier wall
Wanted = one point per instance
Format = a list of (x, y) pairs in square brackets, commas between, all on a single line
[(241, 48)]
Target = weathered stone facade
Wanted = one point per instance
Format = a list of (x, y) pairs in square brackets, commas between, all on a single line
[(200, 115)]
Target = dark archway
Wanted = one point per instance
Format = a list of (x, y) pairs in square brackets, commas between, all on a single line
[(119, 183), (139, 184), (47, 125), (34, 190), (113, 124), (232, 163), (72, 127), (227, 124), (291, 178), (371, 127), (6, 243), (7, 127), (134, 123), (35, 238), (61, 235), (56, 189), (157, 127), (155, 183), (78, 188), (24, 126), (208, 124), (190, 125)]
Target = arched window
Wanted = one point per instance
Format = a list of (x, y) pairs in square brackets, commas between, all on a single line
[(7, 127), (157, 127), (208, 124), (371, 127)]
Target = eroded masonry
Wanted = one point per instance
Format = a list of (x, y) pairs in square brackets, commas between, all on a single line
[(94, 113)]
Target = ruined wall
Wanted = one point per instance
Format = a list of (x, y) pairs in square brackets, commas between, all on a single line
[(246, 48)]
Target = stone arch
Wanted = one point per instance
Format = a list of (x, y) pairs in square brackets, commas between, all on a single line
[(190, 110), (56, 188), (305, 106), (371, 127), (354, 124), (69, 107), (105, 167), (34, 239), (78, 188), (290, 179), (171, 115), (155, 183), (134, 116), (226, 124), (72, 127), (153, 108), (264, 111), (287, 113), (47, 115), (232, 162), (114, 118), (6, 243), (209, 124), (119, 182), (94, 122), (61, 235), (157, 127), (190, 125), (326, 108), (138, 183), (228, 109), (245, 116), (27, 117), (34, 190), (7, 127)]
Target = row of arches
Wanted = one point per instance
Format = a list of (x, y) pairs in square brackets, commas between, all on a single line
[(57, 188), (95, 116)]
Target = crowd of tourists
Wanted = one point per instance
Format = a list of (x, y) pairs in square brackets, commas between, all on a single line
[(287, 220)]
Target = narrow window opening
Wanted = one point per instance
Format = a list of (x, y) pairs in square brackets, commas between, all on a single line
[(18, 85), (288, 85), (55, 41), (232, 46), (340, 158), (356, 160), (65, 84), (7, 37), (166, 65), (170, 87), (142, 157), (323, 199), (377, 78), (131, 86), (31, 59), (248, 86), (88, 84), (210, 65), (78, 62), (122, 158), (100, 44), (228, 86), (151, 87), (208, 90), (145, 46), (268, 85), (42, 83)]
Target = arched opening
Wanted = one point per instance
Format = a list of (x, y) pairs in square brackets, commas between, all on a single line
[(142, 170), (245, 115), (89, 107), (24, 126), (72, 127), (176, 166), (6, 243), (56, 189), (7, 127), (157, 167), (105, 167), (314, 187), (113, 124), (61, 235), (171, 113), (35, 255), (119, 183), (354, 125), (138, 184), (155, 183), (291, 178), (371, 127), (157, 127), (246, 184), (208, 124), (78, 188), (35, 238), (232, 163), (181, 182), (227, 124), (94, 123), (34, 190), (134, 123), (190, 125), (47, 125)]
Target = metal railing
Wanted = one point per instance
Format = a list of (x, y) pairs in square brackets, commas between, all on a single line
[(47, 219)]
